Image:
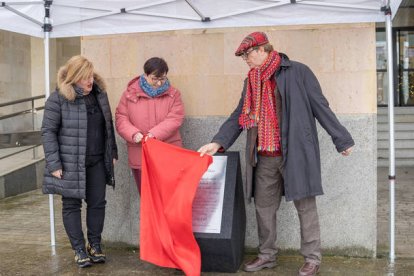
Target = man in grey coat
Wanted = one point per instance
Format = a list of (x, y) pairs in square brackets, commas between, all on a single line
[(280, 101)]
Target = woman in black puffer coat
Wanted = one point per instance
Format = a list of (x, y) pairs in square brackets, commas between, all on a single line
[(80, 151)]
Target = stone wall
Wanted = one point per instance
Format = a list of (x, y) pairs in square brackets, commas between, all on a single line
[(14, 69), (203, 66), (60, 50), (22, 73)]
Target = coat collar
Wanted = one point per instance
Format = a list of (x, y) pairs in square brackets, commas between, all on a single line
[(285, 60)]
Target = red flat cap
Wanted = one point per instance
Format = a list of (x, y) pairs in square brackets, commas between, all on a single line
[(252, 40)]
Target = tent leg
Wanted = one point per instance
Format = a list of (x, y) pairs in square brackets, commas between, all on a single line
[(52, 221), (391, 174), (47, 29)]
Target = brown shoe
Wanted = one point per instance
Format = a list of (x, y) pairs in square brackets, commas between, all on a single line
[(258, 264), (308, 269)]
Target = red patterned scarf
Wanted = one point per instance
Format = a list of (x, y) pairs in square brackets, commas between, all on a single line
[(259, 106)]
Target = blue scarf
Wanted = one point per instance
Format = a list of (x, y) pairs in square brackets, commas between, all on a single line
[(151, 91)]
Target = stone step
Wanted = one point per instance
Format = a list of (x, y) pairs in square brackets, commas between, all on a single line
[(399, 144), (18, 159), (398, 163), (403, 118), (399, 153), (26, 175), (384, 127), (398, 135), (397, 110)]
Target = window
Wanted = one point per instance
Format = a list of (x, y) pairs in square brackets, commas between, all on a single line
[(382, 76)]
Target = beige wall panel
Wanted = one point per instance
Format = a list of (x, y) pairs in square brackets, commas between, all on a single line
[(60, 50), (168, 46), (347, 92), (208, 55), (234, 65), (355, 51), (124, 55), (312, 47), (209, 95), (6, 74), (203, 66), (14, 69), (65, 49), (38, 66), (98, 51), (115, 87)]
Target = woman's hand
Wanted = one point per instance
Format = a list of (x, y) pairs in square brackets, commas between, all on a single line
[(149, 135), (138, 137), (58, 174)]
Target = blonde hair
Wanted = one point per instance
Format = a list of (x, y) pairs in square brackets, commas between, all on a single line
[(76, 68)]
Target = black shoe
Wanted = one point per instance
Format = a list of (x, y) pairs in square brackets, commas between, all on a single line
[(96, 254), (81, 258)]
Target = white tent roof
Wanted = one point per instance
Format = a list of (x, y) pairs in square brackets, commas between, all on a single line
[(81, 18)]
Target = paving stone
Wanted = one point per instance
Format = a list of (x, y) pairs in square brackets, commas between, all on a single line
[(24, 230)]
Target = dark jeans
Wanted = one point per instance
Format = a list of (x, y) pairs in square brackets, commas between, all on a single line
[(137, 177), (95, 211)]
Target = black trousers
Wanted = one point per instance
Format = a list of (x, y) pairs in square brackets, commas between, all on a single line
[(95, 210), (137, 177)]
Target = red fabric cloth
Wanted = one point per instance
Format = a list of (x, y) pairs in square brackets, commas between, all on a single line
[(170, 177)]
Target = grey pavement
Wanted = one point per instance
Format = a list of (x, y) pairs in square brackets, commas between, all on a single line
[(25, 245)]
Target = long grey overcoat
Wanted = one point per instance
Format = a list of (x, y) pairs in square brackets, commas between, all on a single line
[(64, 137), (300, 101)]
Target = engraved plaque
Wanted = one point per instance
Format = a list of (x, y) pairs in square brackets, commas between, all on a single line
[(221, 214), (208, 201)]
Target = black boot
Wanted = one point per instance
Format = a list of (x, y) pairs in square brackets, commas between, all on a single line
[(96, 254), (81, 258)]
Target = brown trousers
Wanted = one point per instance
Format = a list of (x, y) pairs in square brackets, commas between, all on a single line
[(267, 196)]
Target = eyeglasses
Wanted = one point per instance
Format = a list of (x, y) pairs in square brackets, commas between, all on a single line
[(245, 55), (156, 80)]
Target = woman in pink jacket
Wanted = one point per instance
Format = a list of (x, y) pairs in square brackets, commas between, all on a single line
[(149, 107)]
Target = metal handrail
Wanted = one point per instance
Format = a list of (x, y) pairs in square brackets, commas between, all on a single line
[(22, 112), (33, 110), (22, 100), (17, 152)]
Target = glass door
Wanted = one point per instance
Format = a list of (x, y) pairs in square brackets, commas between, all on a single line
[(405, 65)]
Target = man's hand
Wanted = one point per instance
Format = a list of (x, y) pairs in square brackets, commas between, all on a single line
[(57, 174), (347, 151), (209, 149)]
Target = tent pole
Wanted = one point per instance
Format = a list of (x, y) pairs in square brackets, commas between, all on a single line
[(391, 157), (46, 30)]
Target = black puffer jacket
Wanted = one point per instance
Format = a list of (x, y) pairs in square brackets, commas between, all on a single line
[(64, 136)]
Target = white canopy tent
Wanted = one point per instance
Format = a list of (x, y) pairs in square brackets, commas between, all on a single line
[(81, 18), (64, 18)]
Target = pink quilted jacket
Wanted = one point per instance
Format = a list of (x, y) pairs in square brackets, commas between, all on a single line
[(162, 116)]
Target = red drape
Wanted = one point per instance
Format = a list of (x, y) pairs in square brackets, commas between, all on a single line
[(170, 176)]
